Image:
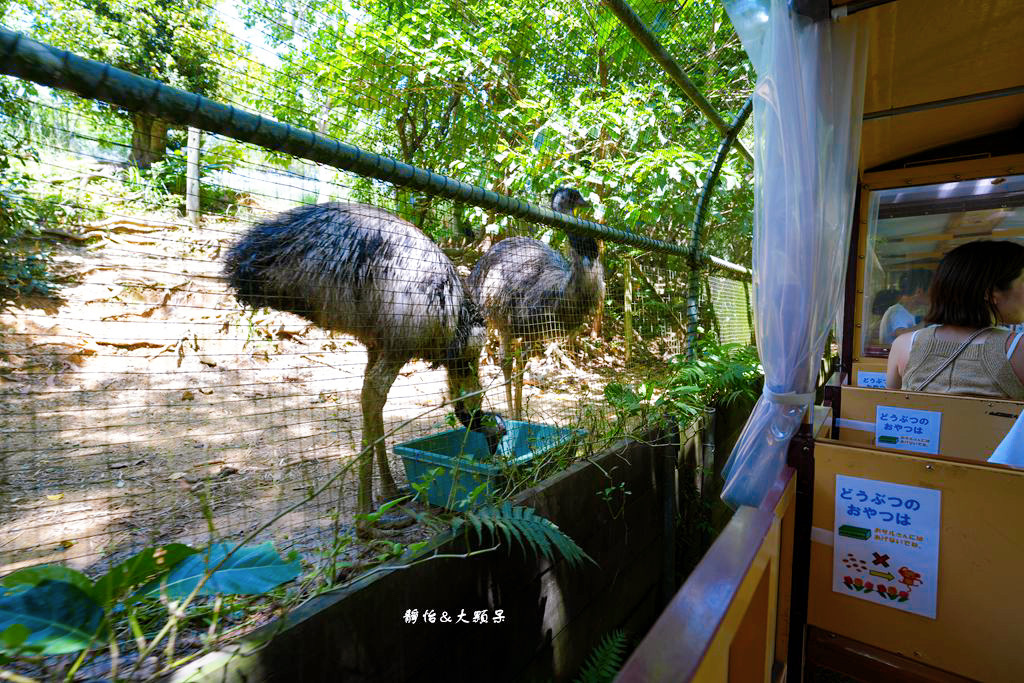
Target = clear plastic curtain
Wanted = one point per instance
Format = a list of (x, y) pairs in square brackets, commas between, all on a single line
[(808, 106)]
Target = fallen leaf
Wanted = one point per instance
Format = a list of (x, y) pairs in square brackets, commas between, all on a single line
[(56, 496)]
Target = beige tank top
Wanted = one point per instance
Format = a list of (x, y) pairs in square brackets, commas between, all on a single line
[(981, 369)]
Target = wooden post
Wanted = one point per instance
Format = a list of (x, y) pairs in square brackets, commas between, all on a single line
[(192, 177), (628, 306), (598, 325)]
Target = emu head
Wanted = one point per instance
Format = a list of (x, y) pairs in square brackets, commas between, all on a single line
[(567, 200), (462, 359)]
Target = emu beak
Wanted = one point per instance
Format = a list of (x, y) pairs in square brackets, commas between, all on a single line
[(584, 205), (491, 425), (494, 433)]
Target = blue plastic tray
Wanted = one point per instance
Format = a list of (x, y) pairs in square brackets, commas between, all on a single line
[(464, 459)]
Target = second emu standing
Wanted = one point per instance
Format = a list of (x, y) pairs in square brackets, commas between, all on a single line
[(528, 291), (359, 270)]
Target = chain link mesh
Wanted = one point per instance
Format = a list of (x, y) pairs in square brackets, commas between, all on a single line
[(142, 403)]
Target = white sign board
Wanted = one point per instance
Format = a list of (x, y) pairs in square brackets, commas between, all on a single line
[(886, 544), (907, 429), (872, 380)]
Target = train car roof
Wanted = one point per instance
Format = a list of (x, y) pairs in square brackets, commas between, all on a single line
[(923, 53)]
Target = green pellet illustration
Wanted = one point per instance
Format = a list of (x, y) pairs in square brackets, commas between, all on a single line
[(857, 532)]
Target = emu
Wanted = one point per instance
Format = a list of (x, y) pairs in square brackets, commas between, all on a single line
[(357, 269), (529, 292)]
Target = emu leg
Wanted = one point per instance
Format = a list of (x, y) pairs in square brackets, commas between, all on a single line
[(380, 375), (507, 362), (519, 375)]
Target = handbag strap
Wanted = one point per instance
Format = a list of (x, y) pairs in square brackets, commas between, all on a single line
[(945, 364)]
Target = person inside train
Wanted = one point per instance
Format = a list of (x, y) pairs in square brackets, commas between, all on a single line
[(977, 286), (903, 315)]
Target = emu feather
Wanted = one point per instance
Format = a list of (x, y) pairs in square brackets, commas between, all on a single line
[(529, 292), (357, 269)]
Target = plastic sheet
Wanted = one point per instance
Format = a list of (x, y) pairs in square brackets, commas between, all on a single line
[(808, 106), (1010, 450)]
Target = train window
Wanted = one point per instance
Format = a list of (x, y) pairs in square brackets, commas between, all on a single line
[(909, 231)]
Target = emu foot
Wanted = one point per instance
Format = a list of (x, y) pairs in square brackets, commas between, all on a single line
[(376, 534), (368, 530), (391, 493), (395, 520), (387, 527), (389, 516)]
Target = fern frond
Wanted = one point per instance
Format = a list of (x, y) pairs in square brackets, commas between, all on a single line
[(605, 661), (525, 526)]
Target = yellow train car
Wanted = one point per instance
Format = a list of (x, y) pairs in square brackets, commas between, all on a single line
[(888, 548)]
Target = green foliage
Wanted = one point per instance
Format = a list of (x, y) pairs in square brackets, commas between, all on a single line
[(168, 177), (522, 523), (719, 374), (179, 42), (53, 609), (116, 584), (604, 662), (520, 97), (22, 274), (23, 267), (59, 616), (246, 571)]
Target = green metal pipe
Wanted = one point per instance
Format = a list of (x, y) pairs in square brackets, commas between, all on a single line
[(700, 217), (711, 179), (636, 26), (28, 59)]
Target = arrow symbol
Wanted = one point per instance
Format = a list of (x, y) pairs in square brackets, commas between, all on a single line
[(882, 575)]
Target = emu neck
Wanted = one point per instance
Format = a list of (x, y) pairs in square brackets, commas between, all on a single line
[(586, 275)]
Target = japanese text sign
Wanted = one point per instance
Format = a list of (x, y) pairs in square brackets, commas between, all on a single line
[(886, 544), (907, 429), (872, 380)]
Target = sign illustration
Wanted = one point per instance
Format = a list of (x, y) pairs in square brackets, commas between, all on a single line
[(886, 544)]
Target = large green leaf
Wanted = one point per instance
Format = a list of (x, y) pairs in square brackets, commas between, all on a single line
[(22, 579), (144, 566), (61, 617), (247, 571)]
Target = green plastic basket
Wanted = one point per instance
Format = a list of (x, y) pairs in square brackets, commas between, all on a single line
[(466, 462)]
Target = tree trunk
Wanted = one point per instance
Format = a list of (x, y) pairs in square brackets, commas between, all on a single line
[(149, 140)]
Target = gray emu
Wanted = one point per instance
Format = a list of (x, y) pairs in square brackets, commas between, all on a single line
[(528, 291), (357, 269)]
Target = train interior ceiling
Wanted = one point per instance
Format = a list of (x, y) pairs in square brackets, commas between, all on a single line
[(938, 106)]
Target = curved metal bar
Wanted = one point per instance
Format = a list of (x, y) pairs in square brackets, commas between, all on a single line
[(700, 217), (28, 59)]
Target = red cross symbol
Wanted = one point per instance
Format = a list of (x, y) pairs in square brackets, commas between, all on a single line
[(880, 559)]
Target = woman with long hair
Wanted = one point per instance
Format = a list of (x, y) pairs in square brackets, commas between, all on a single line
[(976, 287)]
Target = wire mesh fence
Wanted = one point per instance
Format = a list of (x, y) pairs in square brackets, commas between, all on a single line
[(170, 376)]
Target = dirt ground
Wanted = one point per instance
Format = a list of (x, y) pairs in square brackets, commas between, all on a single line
[(142, 405)]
